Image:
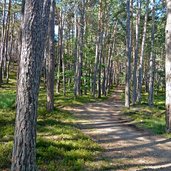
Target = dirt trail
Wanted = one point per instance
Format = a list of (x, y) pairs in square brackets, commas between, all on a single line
[(127, 147)]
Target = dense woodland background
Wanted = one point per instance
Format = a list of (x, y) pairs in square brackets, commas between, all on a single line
[(90, 45), (86, 49)]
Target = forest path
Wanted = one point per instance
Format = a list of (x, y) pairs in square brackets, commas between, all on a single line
[(126, 147)]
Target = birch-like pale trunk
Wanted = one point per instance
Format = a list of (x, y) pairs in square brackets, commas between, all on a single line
[(128, 63), (109, 61), (76, 50), (140, 69), (134, 95), (2, 48), (152, 60), (7, 31), (50, 59), (97, 74), (61, 33), (80, 45), (58, 83), (168, 67)]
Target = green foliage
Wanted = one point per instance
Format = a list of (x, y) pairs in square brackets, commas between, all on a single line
[(7, 100), (149, 118), (146, 117), (60, 144), (5, 154)]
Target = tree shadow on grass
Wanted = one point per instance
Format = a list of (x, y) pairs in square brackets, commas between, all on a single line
[(7, 122), (61, 146)]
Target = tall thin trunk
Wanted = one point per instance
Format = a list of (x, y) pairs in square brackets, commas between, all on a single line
[(152, 60), (61, 55), (58, 65), (61, 32), (128, 63), (50, 59), (100, 44), (76, 53), (110, 53), (134, 95), (2, 48), (7, 32), (11, 47), (140, 69), (97, 68), (80, 45), (168, 67)]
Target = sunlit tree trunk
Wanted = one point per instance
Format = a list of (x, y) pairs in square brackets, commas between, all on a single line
[(140, 69), (138, 15), (50, 59), (80, 45), (168, 67), (152, 60), (58, 83), (128, 63), (61, 53), (11, 45), (97, 67), (2, 48), (34, 29), (76, 52)]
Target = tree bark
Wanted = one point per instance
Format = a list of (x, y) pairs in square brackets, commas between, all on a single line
[(128, 63), (140, 69), (58, 82), (168, 67), (97, 67), (80, 45), (50, 60), (2, 48), (34, 29), (134, 95), (152, 60)]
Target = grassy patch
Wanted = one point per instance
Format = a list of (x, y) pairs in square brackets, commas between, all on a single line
[(150, 118), (60, 144), (146, 117), (70, 100)]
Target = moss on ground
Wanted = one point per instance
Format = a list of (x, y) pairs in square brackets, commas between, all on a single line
[(152, 118), (60, 144)]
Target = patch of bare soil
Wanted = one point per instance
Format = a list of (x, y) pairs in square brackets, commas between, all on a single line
[(126, 147)]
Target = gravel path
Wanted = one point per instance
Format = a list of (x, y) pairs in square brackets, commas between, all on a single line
[(126, 147)]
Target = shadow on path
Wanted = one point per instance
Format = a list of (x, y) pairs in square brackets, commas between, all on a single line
[(127, 147)]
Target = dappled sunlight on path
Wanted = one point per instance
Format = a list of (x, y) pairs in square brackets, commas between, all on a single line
[(126, 147)]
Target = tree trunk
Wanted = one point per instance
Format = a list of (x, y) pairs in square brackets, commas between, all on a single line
[(50, 59), (140, 69), (75, 53), (97, 67), (58, 64), (2, 48), (128, 63), (168, 67), (80, 45), (134, 95), (34, 31), (152, 60)]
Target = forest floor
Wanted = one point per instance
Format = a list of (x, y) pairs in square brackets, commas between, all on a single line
[(126, 146)]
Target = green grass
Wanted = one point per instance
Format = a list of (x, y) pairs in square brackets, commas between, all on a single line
[(149, 118), (61, 146), (70, 100)]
